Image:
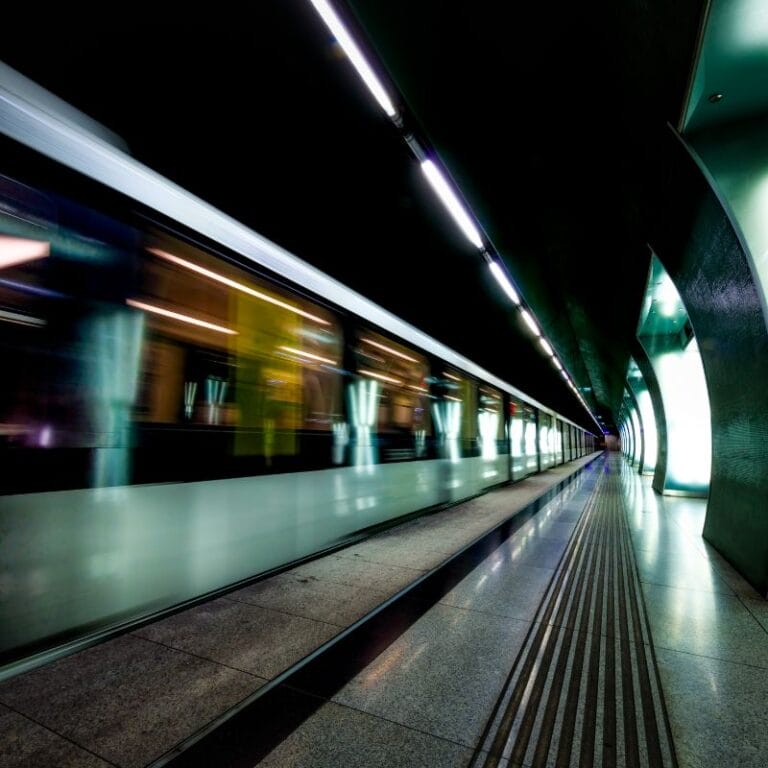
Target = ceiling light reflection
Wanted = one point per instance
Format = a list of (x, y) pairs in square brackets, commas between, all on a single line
[(379, 376), (234, 284), (389, 349), (308, 355), (178, 316)]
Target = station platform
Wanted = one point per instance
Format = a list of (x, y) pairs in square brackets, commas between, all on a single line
[(574, 618)]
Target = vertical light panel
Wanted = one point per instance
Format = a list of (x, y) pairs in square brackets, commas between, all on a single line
[(686, 405)]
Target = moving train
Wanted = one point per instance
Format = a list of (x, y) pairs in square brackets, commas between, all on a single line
[(185, 405)]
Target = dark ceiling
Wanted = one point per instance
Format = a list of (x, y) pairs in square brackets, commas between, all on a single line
[(549, 116)]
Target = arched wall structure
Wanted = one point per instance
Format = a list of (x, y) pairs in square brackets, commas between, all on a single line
[(639, 428), (632, 427), (649, 375), (637, 386), (701, 248)]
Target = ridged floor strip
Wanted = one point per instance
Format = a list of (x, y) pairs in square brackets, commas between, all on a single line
[(584, 690)]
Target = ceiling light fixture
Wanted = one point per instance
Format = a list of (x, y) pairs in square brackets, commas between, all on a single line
[(504, 282), (355, 55), (450, 200), (530, 322)]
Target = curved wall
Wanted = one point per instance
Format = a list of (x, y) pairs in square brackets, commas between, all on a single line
[(699, 246)]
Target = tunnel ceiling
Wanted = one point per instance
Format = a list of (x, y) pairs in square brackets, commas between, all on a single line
[(549, 117)]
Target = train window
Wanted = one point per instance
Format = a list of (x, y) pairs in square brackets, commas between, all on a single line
[(398, 381), (457, 387), (490, 421), (522, 435), (63, 268), (517, 438), (228, 349), (559, 445), (546, 440), (491, 403)]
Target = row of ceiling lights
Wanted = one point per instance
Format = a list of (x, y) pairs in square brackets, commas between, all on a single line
[(442, 187)]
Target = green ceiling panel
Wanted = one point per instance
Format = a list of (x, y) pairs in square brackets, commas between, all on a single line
[(731, 73)]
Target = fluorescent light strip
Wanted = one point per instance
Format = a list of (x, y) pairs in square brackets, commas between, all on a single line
[(308, 355), (418, 389), (530, 322), (354, 54), (178, 316), (451, 202), (504, 282), (451, 376), (234, 284), (546, 346), (557, 363), (455, 399), (389, 349), (379, 376)]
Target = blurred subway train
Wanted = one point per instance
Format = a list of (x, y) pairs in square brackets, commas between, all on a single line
[(185, 405)]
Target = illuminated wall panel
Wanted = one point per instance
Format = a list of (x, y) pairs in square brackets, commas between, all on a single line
[(667, 336)]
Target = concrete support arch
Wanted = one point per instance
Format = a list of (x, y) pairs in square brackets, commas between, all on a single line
[(700, 247)]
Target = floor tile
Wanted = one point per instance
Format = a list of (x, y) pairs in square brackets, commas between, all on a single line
[(705, 623), (687, 569), (728, 573), (339, 736), (717, 711), (245, 637), (555, 530), (459, 660), (688, 514), (356, 571), (412, 554), (667, 541), (759, 609), (127, 700), (542, 553), (504, 589), (25, 744), (312, 598)]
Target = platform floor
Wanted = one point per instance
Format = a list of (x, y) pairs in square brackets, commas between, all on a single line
[(594, 628)]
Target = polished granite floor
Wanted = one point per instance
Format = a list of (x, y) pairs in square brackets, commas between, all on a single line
[(128, 701), (710, 632)]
